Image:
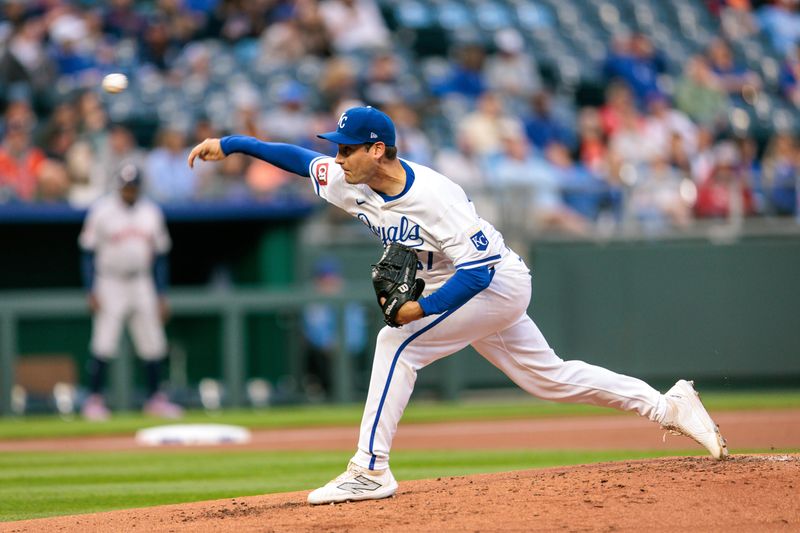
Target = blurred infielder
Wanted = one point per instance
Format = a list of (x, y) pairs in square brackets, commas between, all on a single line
[(477, 292), (125, 244)]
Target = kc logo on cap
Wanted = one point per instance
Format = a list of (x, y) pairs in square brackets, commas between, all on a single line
[(361, 125)]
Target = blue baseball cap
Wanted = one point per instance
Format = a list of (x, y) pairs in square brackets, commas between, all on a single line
[(360, 125)]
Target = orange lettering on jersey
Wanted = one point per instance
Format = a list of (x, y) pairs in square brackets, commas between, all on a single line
[(322, 173)]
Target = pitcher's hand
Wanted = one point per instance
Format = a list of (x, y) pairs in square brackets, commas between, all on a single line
[(208, 150)]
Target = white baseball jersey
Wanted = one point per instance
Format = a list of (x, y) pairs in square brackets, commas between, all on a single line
[(433, 216), (125, 240)]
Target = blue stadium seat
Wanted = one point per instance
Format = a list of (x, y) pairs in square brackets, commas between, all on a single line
[(533, 16), (454, 16), (493, 15), (414, 15)]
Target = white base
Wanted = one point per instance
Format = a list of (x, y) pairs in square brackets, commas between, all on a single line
[(192, 435)]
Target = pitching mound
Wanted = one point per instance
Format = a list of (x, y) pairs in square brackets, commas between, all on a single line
[(744, 493)]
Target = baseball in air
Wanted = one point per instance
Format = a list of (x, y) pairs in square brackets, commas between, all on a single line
[(115, 83)]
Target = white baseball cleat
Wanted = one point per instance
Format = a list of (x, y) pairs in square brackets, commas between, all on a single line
[(356, 483), (686, 416)]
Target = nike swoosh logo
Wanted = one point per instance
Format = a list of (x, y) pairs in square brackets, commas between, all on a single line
[(359, 202)]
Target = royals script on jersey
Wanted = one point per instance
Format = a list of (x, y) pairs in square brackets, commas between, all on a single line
[(432, 215), (124, 238)]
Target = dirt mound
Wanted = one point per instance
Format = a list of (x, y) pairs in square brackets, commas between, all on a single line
[(744, 493)]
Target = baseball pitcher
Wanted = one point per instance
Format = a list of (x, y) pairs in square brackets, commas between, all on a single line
[(124, 264), (467, 287)]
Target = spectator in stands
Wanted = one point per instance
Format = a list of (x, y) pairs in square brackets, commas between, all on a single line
[(631, 142), (702, 162), (182, 24), (724, 193), (170, 180), (512, 71), (462, 162), (655, 198), (780, 173), (321, 330), (282, 45), (24, 61), (122, 20), (780, 21), (516, 170), (311, 28), (678, 156), (289, 121), (354, 25), (741, 83), (592, 149), (737, 20), (466, 77), (387, 82), (411, 140), (238, 21), (225, 182), (619, 102), (60, 131), (339, 82), (91, 164), (485, 127), (72, 48), (194, 67), (157, 49), (582, 191), (20, 161), (635, 61), (663, 122), (790, 76), (54, 182), (63, 115), (267, 181), (750, 164), (699, 93), (543, 126)]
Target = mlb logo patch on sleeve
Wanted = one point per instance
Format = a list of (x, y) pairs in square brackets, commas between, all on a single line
[(322, 174), (479, 241)]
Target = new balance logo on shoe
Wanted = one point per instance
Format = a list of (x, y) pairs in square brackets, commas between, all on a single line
[(356, 483), (360, 485)]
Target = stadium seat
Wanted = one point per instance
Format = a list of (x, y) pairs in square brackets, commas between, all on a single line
[(414, 15), (533, 16)]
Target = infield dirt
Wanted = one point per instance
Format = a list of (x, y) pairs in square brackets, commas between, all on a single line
[(744, 493)]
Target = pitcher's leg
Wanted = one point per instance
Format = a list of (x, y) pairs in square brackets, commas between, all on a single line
[(390, 387), (399, 354), (523, 354)]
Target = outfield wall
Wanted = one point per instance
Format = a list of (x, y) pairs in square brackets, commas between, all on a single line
[(726, 314)]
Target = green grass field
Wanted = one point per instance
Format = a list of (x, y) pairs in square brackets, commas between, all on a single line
[(334, 415), (41, 484)]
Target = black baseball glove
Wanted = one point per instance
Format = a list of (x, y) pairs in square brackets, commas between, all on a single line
[(395, 278)]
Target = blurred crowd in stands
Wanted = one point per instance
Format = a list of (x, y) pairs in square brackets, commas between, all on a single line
[(657, 138)]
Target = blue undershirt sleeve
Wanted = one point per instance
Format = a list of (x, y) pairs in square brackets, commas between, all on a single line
[(161, 273), (289, 157), (87, 269), (457, 291)]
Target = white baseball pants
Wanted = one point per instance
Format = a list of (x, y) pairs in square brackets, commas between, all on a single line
[(134, 301), (496, 324)]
